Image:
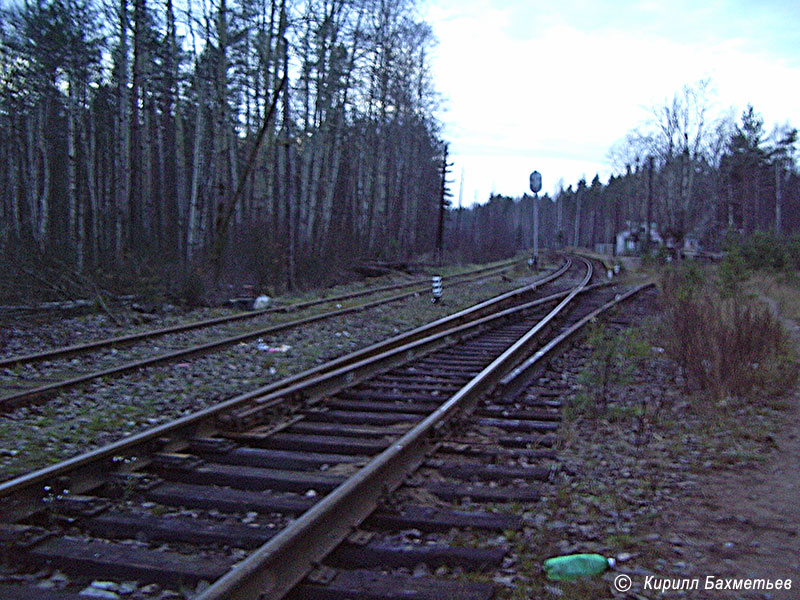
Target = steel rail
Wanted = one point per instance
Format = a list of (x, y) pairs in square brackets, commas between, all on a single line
[(309, 385), (607, 262), (11, 401), (520, 376), (426, 334), (278, 565), (64, 351), (467, 316)]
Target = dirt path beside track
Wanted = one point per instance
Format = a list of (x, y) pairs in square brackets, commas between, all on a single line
[(745, 522)]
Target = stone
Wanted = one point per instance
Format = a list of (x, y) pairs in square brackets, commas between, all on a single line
[(93, 592), (127, 588), (110, 586), (261, 302)]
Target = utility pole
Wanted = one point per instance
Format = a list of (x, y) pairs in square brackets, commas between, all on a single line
[(648, 240), (458, 212), (443, 204), (778, 197)]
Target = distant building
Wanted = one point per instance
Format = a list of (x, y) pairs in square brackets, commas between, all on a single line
[(632, 239), (691, 244)]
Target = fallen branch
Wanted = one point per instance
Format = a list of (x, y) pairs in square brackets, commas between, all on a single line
[(56, 288)]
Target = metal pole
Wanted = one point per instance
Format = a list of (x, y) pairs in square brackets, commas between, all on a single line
[(536, 186), (778, 198), (536, 229), (648, 238)]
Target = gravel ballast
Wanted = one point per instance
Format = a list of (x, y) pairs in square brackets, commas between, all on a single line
[(103, 411)]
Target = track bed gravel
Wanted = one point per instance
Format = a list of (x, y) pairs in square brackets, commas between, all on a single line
[(30, 333), (103, 411), (672, 487)]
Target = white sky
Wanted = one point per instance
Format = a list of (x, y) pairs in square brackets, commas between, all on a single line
[(535, 84)]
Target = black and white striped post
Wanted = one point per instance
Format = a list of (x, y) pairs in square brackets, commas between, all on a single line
[(436, 289)]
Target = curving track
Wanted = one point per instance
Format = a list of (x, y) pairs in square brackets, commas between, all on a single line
[(254, 493)]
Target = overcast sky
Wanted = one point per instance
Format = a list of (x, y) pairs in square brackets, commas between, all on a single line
[(535, 84)]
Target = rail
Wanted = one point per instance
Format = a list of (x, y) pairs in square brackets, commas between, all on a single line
[(310, 384), (14, 400), (146, 335), (283, 560), (278, 565)]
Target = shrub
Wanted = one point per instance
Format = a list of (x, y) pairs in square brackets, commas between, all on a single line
[(793, 252), (732, 272), (194, 288), (614, 359), (726, 346), (682, 282), (766, 251)]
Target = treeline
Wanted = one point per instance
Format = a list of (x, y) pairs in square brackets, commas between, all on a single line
[(690, 175), (270, 138)]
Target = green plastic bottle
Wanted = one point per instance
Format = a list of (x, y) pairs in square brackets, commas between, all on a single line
[(573, 566)]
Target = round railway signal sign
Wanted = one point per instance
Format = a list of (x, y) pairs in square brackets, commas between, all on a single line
[(536, 182)]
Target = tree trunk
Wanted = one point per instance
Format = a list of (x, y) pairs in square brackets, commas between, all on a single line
[(77, 207), (150, 207), (222, 165), (72, 180), (43, 201), (174, 179), (31, 181), (649, 217), (135, 190), (233, 177), (122, 168), (14, 174), (288, 187), (90, 152), (193, 220), (164, 191), (181, 170)]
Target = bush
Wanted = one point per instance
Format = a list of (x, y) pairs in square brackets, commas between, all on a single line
[(683, 281), (664, 255), (193, 288), (793, 252), (732, 272), (726, 346), (766, 251)]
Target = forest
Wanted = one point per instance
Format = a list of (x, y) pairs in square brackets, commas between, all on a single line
[(715, 179), (274, 142), (263, 139)]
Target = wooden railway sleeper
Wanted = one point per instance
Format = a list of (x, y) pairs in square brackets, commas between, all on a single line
[(176, 462)]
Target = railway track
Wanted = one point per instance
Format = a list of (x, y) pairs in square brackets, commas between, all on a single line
[(253, 495), (117, 341), (57, 374)]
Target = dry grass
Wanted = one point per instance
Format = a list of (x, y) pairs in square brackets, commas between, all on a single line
[(726, 344), (782, 288)]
